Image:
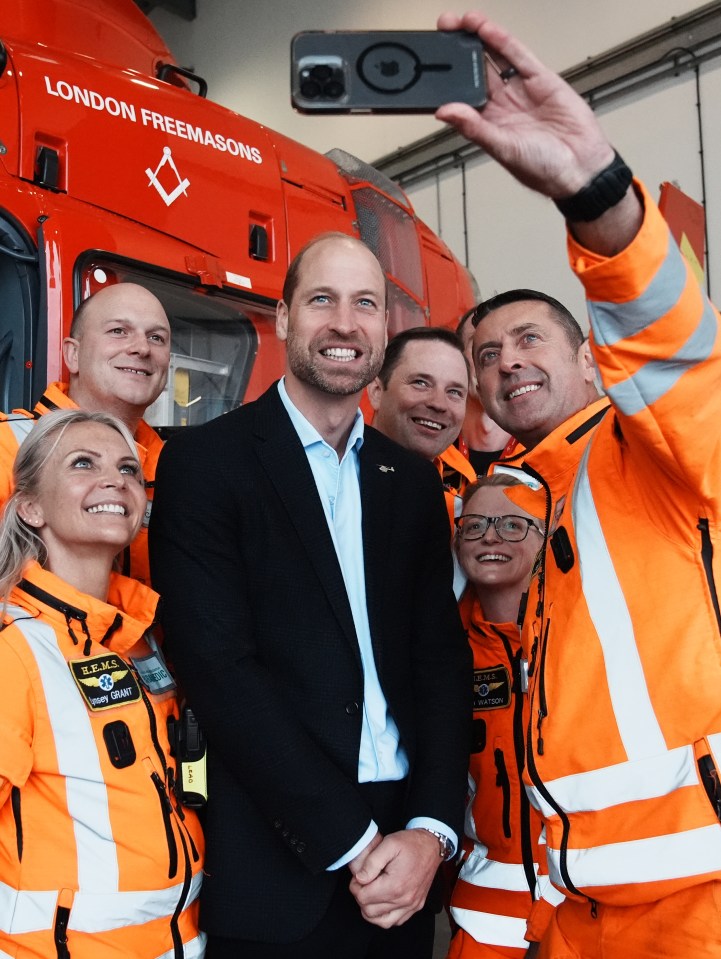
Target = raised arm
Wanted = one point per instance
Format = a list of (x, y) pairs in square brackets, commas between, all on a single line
[(538, 128)]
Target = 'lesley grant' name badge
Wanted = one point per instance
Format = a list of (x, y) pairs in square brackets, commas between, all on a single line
[(104, 681), (491, 688)]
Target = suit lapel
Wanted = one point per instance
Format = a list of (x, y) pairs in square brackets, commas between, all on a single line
[(378, 486), (283, 458)]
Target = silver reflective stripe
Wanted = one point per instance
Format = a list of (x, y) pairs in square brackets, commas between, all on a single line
[(102, 913), (635, 781), (682, 854), (26, 911), (656, 377), (489, 928), (714, 741), (20, 428), (546, 890), (635, 717), (22, 911), (489, 874), (517, 474), (193, 949), (78, 762), (612, 322)]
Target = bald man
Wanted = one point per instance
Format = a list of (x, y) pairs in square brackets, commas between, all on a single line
[(117, 356)]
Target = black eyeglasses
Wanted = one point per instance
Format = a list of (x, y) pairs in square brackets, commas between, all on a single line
[(511, 528)]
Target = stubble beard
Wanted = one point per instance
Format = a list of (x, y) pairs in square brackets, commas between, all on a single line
[(303, 365)]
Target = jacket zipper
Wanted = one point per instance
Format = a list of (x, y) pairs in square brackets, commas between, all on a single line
[(525, 805), (17, 816), (540, 686), (541, 683), (169, 811), (166, 810), (514, 661), (180, 905), (707, 558), (169, 791), (60, 932), (504, 782)]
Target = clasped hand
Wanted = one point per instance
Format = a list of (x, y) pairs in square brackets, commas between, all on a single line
[(392, 876)]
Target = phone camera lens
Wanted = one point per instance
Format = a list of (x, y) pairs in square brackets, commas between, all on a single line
[(310, 89), (333, 89), (321, 81), (321, 72)]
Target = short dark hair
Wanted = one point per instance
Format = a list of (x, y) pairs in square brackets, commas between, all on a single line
[(78, 317), (565, 319), (429, 334), (292, 277), (468, 315)]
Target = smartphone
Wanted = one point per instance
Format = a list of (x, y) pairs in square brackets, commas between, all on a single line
[(385, 71)]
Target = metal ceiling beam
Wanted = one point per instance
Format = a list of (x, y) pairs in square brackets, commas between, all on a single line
[(181, 8), (669, 50)]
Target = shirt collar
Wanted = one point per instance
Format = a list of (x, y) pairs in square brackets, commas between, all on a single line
[(308, 434)]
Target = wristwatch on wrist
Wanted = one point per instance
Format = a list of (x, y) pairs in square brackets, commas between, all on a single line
[(445, 846), (605, 190)]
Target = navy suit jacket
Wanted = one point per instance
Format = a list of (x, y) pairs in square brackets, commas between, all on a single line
[(260, 631)]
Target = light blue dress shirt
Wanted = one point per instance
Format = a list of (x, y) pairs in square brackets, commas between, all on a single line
[(382, 757)]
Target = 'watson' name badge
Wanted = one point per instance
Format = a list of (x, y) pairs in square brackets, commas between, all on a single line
[(104, 681), (491, 688)]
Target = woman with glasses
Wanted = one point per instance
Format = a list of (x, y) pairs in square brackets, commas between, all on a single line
[(97, 857), (496, 543)]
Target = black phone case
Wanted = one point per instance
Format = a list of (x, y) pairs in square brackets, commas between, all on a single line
[(392, 71)]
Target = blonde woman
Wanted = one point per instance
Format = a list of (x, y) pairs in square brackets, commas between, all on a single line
[(498, 889), (97, 857)]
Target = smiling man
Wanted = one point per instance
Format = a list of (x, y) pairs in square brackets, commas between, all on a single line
[(304, 564), (117, 356), (419, 395), (419, 398), (534, 366), (621, 628)]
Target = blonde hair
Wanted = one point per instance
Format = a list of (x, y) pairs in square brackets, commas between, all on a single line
[(495, 479), (20, 544)]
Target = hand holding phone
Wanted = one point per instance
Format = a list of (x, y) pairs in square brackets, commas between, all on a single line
[(392, 71)]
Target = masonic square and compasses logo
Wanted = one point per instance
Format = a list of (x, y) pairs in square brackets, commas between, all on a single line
[(181, 186)]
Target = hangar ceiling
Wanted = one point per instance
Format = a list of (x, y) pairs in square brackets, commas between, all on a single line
[(182, 8)]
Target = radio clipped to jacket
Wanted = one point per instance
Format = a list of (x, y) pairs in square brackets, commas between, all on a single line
[(188, 747)]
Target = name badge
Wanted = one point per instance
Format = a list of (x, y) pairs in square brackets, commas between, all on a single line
[(104, 681), (153, 672), (491, 688)]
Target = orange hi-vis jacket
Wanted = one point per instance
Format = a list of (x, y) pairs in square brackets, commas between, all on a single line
[(499, 878), (97, 858), (623, 627), (452, 464), (15, 426)]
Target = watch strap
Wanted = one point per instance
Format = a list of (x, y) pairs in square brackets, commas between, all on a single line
[(605, 190), (445, 846)]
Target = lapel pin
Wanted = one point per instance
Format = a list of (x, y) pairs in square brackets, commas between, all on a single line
[(386, 469)]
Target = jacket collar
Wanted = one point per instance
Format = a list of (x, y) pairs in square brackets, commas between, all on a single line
[(42, 593), (555, 459)]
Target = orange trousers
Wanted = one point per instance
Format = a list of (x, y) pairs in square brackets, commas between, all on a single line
[(685, 925)]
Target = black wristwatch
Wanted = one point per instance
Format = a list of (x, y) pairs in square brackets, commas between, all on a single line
[(605, 190)]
